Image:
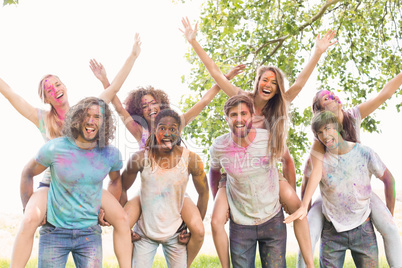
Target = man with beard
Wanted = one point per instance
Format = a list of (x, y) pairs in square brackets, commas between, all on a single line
[(252, 188), (78, 161), (165, 167)]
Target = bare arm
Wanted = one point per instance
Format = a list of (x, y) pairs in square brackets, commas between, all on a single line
[(321, 45), (134, 165), (316, 157), (212, 68), (115, 186), (366, 108), (100, 72), (30, 170), (289, 170), (196, 169), (118, 81), (389, 184), (305, 180), (209, 95), (20, 104)]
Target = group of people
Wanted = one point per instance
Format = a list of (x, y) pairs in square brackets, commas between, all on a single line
[(247, 187)]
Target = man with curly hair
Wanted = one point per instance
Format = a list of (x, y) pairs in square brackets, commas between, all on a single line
[(79, 161)]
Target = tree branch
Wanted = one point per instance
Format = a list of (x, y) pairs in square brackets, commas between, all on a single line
[(316, 17)]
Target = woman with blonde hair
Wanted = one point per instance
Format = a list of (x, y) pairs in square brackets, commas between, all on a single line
[(50, 123)]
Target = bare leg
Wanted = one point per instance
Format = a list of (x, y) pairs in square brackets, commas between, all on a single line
[(192, 218), (288, 196), (218, 221), (121, 230), (133, 210), (34, 214)]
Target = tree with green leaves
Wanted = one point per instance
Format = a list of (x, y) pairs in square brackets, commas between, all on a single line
[(281, 33)]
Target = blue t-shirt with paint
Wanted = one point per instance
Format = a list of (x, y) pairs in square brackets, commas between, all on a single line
[(75, 193)]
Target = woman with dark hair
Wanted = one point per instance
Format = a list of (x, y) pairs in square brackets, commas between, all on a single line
[(142, 106), (350, 119), (270, 107), (50, 124)]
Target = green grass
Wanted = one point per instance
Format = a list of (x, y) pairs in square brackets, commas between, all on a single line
[(200, 262)]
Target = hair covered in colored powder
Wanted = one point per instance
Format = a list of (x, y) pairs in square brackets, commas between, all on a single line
[(348, 121), (323, 118), (54, 124), (133, 103), (76, 115)]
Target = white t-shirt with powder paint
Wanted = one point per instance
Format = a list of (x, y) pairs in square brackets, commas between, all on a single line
[(345, 186), (252, 182)]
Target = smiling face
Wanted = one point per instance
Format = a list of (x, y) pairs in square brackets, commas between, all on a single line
[(239, 120), (55, 91), (329, 102), (167, 133), (150, 108), (91, 124), (329, 136), (267, 86)]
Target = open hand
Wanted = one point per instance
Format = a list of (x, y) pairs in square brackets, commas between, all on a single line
[(235, 71), (189, 33), (297, 215), (322, 44), (137, 45), (98, 69)]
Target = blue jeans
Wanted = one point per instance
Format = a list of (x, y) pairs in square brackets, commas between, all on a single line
[(145, 249), (361, 241), (56, 243), (271, 238)]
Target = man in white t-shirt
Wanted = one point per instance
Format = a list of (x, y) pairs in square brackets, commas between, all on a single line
[(346, 192), (252, 188)]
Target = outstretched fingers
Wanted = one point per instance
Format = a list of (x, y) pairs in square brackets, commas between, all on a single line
[(297, 215), (137, 45)]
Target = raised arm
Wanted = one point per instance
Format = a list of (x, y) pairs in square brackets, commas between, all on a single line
[(194, 111), (118, 81), (30, 170), (134, 165), (115, 186), (20, 104), (389, 189), (321, 45), (212, 68), (316, 156), (196, 169), (100, 72), (366, 108)]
